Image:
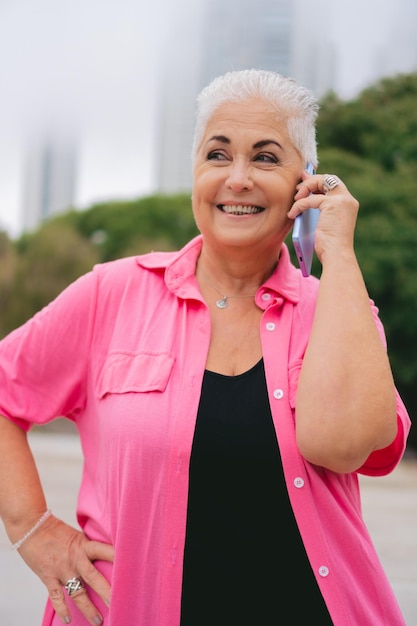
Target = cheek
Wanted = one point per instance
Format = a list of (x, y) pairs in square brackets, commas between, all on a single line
[(204, 194), (206, 180), (286, 198), (197, 207)]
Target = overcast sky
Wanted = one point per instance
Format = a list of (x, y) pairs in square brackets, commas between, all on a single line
[(92, 67), (86, 66)]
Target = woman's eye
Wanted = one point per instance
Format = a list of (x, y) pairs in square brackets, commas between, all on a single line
[(266, 157), (216, 155)]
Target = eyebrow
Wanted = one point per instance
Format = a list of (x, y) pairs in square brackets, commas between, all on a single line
[(220, 138), (267, 142), (256, 146)]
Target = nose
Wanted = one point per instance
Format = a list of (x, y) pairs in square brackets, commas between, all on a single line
[(239, 177)]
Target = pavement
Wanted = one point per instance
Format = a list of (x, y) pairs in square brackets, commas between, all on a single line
[(389, 508)]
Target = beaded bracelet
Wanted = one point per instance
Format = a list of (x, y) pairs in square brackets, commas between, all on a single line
[(16, 546)]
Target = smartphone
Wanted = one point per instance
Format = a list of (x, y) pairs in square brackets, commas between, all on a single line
[(303, 234)]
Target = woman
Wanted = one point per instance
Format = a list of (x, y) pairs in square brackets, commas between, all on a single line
[(225, 403)]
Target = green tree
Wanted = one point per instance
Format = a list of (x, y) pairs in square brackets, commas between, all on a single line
[(47, 262), (163, 222), (8, 265), (380, 124)]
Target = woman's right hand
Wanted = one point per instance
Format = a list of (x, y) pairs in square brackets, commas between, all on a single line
[(334, 234), (57, 552)]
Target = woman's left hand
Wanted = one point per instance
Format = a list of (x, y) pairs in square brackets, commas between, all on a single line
[(338, 213), (346, 404)]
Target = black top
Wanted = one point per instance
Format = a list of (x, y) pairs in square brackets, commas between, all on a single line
[(244, 561)]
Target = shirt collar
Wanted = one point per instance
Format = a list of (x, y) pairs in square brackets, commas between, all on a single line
[(179, 269)]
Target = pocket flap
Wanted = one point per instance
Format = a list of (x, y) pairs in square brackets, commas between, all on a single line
[(125, 372)]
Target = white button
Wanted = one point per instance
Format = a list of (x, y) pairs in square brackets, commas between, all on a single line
[(324, 571), (299, 482), (266, 296), (270, 326), (278, 394)]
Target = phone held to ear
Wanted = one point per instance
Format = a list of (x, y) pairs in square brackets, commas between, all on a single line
[(303, 234)]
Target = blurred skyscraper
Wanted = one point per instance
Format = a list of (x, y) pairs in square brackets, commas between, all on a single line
[(231, 35), (238, 34), (48, 179)]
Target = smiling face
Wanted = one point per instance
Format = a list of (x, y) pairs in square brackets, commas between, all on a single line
[(245, 175)]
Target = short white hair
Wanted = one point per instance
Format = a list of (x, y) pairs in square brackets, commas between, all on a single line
[(290, 101)]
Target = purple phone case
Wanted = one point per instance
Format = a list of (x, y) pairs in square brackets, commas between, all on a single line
[(303, 234), (303, 238)]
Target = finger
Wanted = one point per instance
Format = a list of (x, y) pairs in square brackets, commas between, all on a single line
[(97, 551), (304, 203), (83, 603), (96, 581), (81, 600), (58, 601), (318, 184)]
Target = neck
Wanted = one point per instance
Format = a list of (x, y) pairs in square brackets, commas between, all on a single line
[(233, 278), (241, 274)]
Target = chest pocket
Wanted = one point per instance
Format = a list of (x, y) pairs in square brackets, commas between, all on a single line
[(125, 372)]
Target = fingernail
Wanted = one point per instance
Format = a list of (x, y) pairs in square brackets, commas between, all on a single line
[(67, 619), (98, 620), (108, 601)]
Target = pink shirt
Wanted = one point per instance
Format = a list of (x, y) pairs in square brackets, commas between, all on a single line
[(122, 352)]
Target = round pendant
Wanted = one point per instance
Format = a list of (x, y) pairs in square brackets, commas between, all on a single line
[(222, 303)]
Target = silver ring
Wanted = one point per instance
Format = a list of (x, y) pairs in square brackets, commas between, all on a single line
[(73, 585), (330, 182)]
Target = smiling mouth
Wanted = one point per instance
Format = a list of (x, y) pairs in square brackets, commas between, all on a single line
[(240, 209)]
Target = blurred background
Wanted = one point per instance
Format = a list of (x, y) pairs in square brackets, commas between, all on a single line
[(99, 95), (96, 121)]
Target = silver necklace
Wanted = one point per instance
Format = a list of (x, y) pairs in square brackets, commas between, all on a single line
[(222, 303)]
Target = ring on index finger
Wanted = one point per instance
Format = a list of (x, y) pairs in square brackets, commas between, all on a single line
[(330, 182), (73, 585)]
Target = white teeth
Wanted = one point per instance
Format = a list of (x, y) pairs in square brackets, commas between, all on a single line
[(240, 209)]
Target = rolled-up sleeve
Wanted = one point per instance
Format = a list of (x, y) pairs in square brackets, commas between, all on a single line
[(43, 363)]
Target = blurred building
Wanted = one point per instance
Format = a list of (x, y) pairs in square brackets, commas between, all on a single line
[(231, 35), (239, 34), (48, 179), (370, 43)]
